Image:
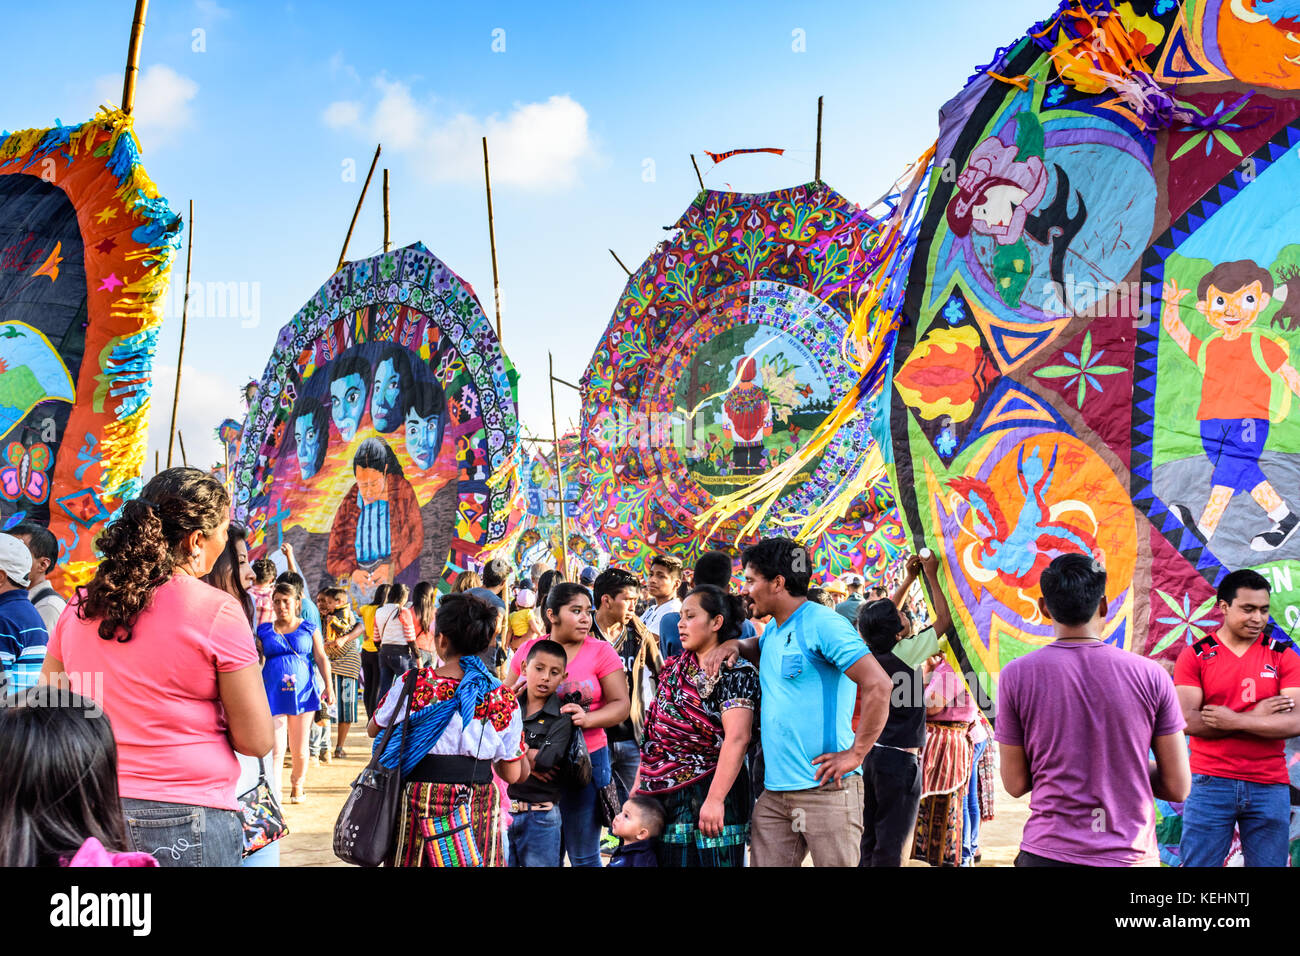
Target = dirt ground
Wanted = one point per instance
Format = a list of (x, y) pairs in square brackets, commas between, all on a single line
[(311, 823)]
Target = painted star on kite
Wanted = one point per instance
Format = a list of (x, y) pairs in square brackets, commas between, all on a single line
[(111, 283), (107, 246), (105, 214)]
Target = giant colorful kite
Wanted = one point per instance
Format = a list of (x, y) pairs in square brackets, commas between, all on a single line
[(1103, 310), (86, 243), (538, 535), (706, 401), (382, 440)]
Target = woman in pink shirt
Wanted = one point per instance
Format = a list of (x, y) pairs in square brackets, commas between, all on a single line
[(595, 695), (172, 662)]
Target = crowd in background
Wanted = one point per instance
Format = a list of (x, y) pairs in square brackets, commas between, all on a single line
[(733, 713)]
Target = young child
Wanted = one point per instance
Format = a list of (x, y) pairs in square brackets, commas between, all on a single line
[(320, 729), (639, 825), (60, 804), (534, 802), (523, 623), (342, 645)]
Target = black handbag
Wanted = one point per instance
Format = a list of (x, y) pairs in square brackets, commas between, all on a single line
[(367, 825), (607, 805), (577, 760)]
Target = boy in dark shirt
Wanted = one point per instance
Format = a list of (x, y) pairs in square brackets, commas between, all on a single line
[(640, 824), (535, 833)]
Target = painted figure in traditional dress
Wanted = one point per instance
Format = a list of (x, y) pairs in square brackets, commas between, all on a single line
[(749, 416)]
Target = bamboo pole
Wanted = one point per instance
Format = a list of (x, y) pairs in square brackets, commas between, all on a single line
[(388, 244), (620, 262), (157, 463), (559, 469), (697, 172), (181, 438), (343, 255), (492, 238), (818, 174), (133, 56), (185, 312)]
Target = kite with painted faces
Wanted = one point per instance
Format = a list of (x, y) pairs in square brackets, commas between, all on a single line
[(381, 443)]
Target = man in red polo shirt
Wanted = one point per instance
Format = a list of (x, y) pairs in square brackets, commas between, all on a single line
[(1238, 689)]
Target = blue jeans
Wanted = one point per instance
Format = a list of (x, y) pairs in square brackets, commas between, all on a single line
[(1261, 811), (624, 760), (269, 855), (970, 810), (394, 661), (179, 835), (535, 838), (578, 811)]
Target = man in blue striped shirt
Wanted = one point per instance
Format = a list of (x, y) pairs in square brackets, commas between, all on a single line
[(22, 632)]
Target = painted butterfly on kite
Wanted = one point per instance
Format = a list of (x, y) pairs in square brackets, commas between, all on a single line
[(24, 475)]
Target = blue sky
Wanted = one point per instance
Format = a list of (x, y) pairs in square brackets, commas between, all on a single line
[(592, 111)]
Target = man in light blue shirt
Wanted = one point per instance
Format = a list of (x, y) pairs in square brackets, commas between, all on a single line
[(812, 666)]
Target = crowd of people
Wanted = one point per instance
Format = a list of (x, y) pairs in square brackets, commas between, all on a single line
[(734, 713)]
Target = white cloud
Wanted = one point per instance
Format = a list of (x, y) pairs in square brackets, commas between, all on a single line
[(340, 67), (535, 145), (342, 114), (206, 399), (162, 101), (210, 10)]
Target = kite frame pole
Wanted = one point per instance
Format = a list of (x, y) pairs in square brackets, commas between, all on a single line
[(492, 239), (343, 255), (133, 56), (697, 172), (620, 262), (559, 466), (818, 173), (388, 244), (180, 352)]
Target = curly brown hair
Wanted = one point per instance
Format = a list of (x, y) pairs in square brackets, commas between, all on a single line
[(142, 547)]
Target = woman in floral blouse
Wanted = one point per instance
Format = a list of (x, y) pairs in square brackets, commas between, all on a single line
[(449, 761), (697, 731)]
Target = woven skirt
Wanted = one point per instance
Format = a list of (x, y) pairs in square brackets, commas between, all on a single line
[(945, 775), (425, 802), (683, 845)]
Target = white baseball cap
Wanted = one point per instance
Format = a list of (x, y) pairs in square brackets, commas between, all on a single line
[(15, 560), (852, 579)]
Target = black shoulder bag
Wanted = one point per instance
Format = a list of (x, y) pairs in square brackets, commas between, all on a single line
[(367, 826)]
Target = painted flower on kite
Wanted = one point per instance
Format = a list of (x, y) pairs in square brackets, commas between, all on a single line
[(954, 311), (946, 374), (387, 268), (448, 367), (1184, 620), (1083, 369), (946, 441), (1215, 134), (1055, 93), (1144, 33)]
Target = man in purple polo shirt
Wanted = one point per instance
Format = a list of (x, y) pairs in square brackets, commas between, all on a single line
[(1077, 720)]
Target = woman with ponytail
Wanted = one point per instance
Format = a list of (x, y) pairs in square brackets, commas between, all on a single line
[(173, 664), (696, 734), (459, 726)]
